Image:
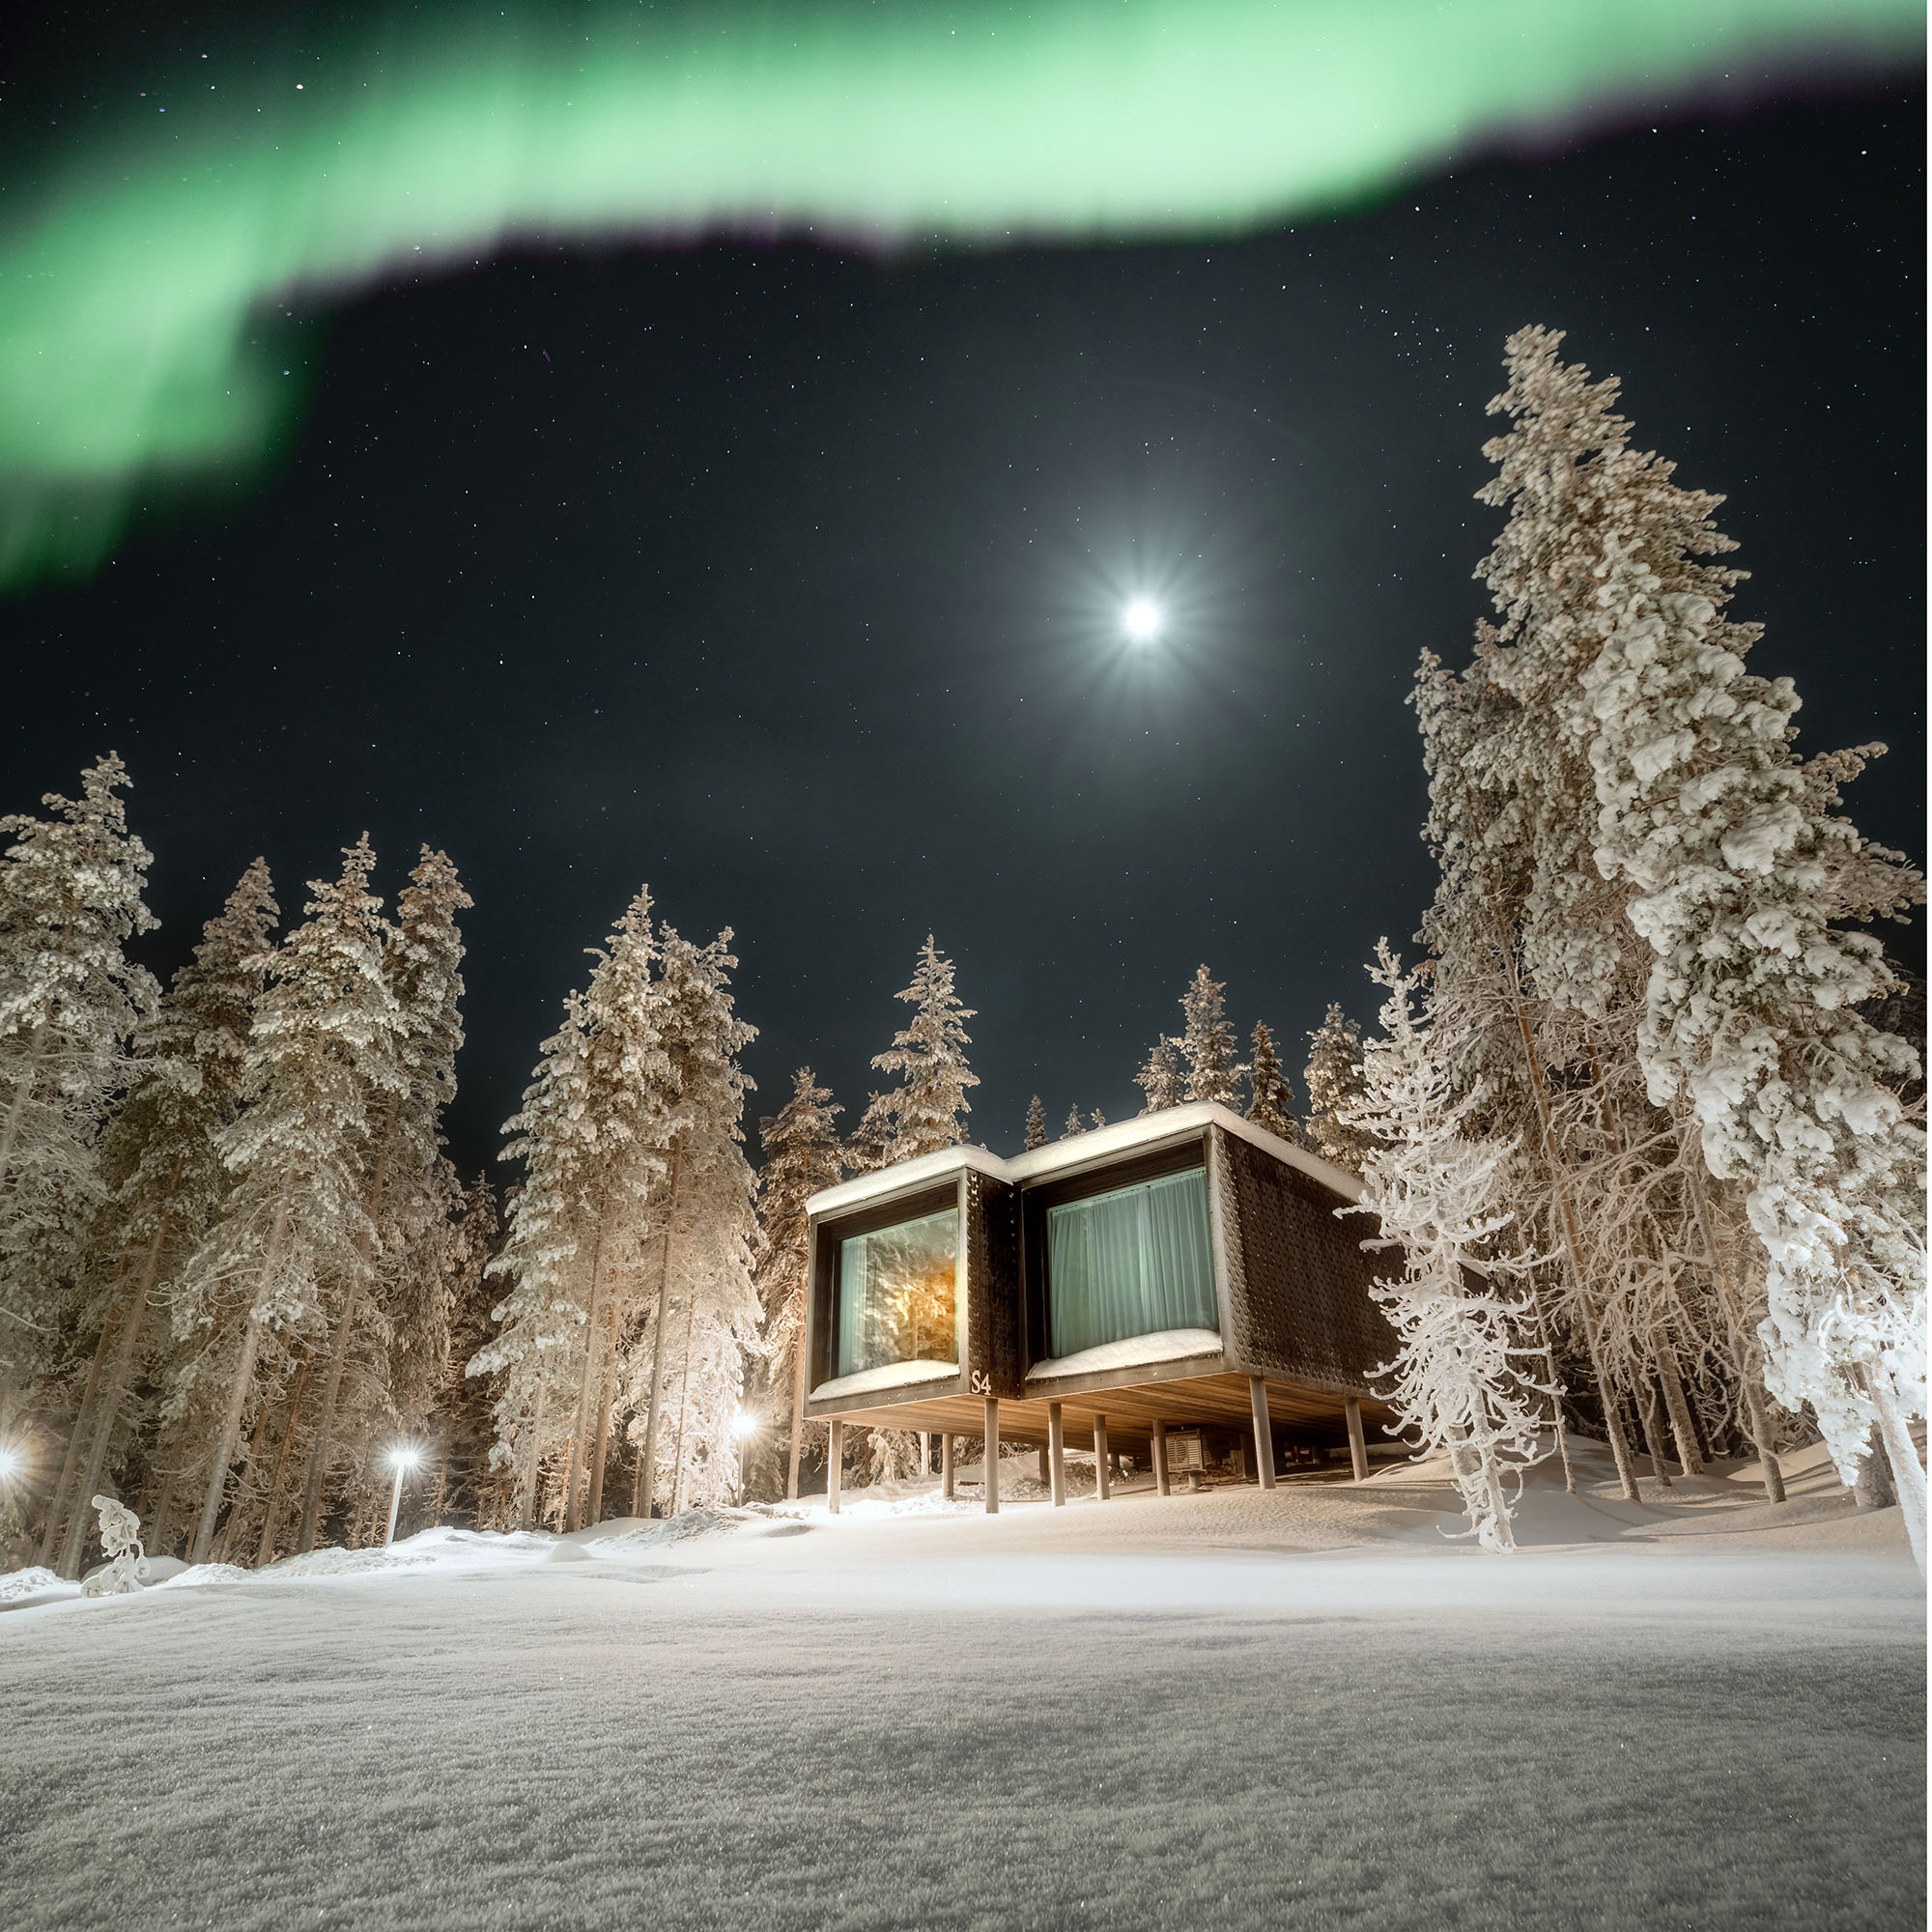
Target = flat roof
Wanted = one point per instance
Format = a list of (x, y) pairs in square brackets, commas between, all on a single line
[(1097, 1147)]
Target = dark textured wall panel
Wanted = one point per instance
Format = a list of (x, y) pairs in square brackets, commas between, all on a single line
[(993, 1285), (1299, 1281)]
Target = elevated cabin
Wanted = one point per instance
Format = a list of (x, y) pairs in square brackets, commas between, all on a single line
[(1184, 1270)]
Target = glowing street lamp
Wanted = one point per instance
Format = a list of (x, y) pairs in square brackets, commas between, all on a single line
[(11, 1462), (744, 1426), (1143, 620), (403, 1459)]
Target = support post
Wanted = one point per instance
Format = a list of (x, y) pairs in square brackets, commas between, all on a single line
[(947, 1488), (992, 1455), (834, 1463), (1358, 1450), (924, 1453), (1056, 1453), (1258, 1402), (1160, 1458), (1103, 1479)]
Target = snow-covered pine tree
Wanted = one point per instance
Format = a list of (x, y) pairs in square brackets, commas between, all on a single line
[(539, 1317), (407, 1187), (1161, 1077), (161, 1158), (70, 1001), (321, 1050), (1440, 1193), (1333, 1077), (1036, 1125), (1074, 1125), (703, 1321), (1207, 1041), (1743, 870), (1099, 1119), (869, 1145), (929, 1106), (1271, 1099), (802, 1157)]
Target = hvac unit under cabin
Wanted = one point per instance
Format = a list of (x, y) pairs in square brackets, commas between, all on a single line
[(1185, 1451)]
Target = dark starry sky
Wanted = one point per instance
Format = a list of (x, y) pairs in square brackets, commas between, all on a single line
[(789, 583)]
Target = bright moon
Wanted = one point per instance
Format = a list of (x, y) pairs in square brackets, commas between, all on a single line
[(1143, 619)]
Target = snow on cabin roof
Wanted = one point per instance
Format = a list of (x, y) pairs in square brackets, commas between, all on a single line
[(1098, 1147)]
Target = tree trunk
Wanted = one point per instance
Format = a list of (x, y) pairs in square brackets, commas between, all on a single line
[(593, 1361), (272, 1516), (683, 1394), (647, 1469), (1874, 1488), (1646, 1410), (1573, 1248), (601, 1451), (24, 1092), (164, 1509), (224, 1447), (797, 1401), (331, 1387), (133, 1318), (251, 1461), (1683, 1429), (66, 1489), (1907, 1473), (530, 1484)]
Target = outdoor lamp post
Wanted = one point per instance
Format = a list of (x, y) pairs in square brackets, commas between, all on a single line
[(744, 1427), (403, 1459)]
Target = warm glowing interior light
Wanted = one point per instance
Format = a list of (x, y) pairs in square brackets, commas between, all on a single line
[(1143, 619)]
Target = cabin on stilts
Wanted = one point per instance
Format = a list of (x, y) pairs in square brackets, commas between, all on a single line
[(1176, 1286)]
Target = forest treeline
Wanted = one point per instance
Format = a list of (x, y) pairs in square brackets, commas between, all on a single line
[(1640, 1134)]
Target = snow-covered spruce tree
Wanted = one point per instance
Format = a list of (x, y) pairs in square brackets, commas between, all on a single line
[(1459, 1379), (321, 1049), (1036, 1125), (929, 1106), (161, 1158), (869, 1145), (688, 1369), (1333, 1077), (1271, 1099), (1074, 1125), (70, 1001), (1207, 1042), (539, 1317), (1741, 866), (407, 1185), (1161, 1077), (802, 1156), (1099, 1120)]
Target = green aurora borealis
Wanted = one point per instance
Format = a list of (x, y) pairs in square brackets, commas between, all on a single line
[(140, 271)]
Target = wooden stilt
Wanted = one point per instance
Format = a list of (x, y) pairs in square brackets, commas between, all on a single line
[(1056, 1454), (1358, 1450), (992, 1455), (924, 1453), (1258, 1401), (1160, 1458), (947, 1488), (834, 1465), (1103, 1484), (1045, 1474)]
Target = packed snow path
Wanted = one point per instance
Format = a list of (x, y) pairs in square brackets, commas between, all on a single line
[(1197, 1712)]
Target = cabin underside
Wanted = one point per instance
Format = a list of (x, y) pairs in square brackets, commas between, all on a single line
[(1130, 1407)]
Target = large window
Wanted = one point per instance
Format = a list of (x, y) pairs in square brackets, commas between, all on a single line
[(1133, 1261), (897, 1294)]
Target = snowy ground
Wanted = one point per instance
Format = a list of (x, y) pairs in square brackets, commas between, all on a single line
[(1230, 1709)]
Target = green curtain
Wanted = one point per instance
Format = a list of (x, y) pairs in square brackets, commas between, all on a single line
[(897, 1294), (1130, 1263)]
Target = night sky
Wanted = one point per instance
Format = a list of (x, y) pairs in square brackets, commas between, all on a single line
[(790, 584)]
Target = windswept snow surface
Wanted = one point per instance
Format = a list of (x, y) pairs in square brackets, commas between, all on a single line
[(1303, 1708)]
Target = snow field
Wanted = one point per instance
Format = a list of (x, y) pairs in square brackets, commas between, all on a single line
[(1235, 1709)]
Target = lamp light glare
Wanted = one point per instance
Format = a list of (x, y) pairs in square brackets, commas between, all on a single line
[(404, 1457), (1143, 620), (10, 1463)]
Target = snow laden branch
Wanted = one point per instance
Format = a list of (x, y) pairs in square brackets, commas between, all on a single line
[(1440, 1193)]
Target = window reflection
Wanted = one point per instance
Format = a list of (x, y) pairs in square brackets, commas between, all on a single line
[(896, 1294)]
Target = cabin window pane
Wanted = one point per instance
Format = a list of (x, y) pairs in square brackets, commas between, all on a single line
[(1130, 1263), (896, 1294)]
